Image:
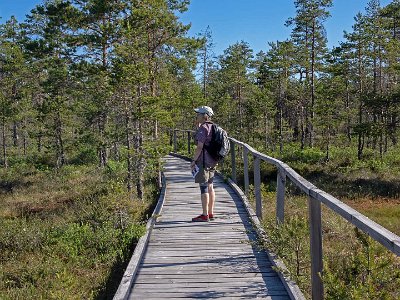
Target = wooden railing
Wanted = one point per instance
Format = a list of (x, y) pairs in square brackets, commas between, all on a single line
[(315, 198)]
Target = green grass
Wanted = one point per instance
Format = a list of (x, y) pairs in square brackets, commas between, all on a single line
[(384, 212), (66, 234), (355, 266)]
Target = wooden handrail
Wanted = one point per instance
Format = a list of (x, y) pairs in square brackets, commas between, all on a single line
[(315, 197)]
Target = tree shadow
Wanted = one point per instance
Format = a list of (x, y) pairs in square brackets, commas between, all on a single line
[(354, 188)]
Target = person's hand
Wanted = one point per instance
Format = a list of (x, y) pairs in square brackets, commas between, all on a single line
[(192, 164)]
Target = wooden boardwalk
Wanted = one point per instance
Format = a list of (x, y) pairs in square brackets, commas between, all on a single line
[(217, 259)]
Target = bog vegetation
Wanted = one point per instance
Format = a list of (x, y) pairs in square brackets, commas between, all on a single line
[(89, 89)]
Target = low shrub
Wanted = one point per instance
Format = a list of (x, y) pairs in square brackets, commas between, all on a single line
[(68, 234)]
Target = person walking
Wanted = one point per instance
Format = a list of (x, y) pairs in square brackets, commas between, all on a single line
[(206, 164)]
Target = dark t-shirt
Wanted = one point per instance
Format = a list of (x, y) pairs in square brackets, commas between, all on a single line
[(204, 135)]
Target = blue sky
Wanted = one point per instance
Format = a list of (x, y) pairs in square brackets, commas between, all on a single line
[(254, 21)]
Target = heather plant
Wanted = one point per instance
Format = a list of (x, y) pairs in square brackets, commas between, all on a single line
[(66, 233)]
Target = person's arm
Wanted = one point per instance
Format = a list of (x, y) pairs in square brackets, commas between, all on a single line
[(197, 153)]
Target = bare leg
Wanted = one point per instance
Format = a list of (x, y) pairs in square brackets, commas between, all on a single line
[(211, 197), (205, 203)]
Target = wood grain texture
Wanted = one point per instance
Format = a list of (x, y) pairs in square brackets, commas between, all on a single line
[(216, 259)]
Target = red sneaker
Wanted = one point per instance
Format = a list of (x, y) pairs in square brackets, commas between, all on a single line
[(211, 217), (201, 218)]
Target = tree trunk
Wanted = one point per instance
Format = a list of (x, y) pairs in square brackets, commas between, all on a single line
[(392, 129), (156, 129), (280, 117), (59, 140), (5, 162), (266, 128), (102, 152), (24, 135), (15, 134), (360, 108), (128, 146), (280, 130), (239, 91), (303, 134), (140, 162), (311, 124), (348, 124), (205, 72), (328, 141)]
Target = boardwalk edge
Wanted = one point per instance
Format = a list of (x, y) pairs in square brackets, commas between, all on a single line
[(125, 285), (291, 286)]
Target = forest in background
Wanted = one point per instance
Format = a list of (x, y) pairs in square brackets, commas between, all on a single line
[(98, 80), (90, 88)]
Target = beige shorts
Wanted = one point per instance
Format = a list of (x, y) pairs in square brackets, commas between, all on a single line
[(205, 175)]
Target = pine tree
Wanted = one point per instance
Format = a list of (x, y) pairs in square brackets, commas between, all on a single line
[(12, 71), (49, 31), (235, 65), (152, 42), (275, 72), (98, 23), (391, 23), (357, 43), (206, 55), (309, 37)]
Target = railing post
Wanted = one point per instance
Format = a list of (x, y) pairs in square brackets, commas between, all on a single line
[(280, 196), (257, 187), (175, 144), (233, 161), (246, 170), (188, 139), (317, 286)]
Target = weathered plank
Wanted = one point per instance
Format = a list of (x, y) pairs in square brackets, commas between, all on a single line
[(316, 248), (280, 196), (217, 259)]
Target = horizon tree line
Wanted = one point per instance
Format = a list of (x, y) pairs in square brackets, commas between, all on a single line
[(88, 81)]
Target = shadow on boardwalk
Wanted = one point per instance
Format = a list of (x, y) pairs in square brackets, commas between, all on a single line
[(217, 259)]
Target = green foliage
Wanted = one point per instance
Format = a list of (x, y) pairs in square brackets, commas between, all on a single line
[(89, 82), (290, 242), (308, 155), (85, 155), (368, 272), (115, 169), (355, 266), (66, 244)]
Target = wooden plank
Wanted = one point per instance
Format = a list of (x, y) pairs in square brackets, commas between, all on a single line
[(280, 196), (233, 162), (387, 238), (257, 187), (151, 279), (186, 259), (230, 297), (317, 287), (202, 271), (246, 171), (202, 288), (209, 295), (292, 288)]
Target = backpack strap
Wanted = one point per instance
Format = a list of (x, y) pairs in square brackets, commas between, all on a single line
[(204, 163), (204, 145)]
